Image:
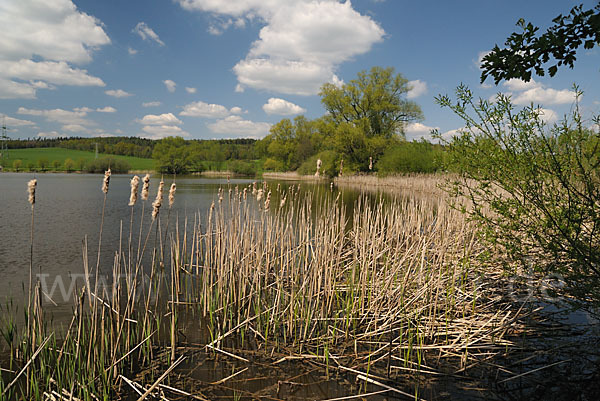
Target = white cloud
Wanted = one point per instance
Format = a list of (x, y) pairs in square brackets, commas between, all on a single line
[(146, 33), (55, 33), (291, 47), (131, 51), (51, 30), (282, 107), (417, 131), (202, 109), (163, 119), (15, 90), (236, 110), (107, 109), (547, 115), (417, 88), (59, 73), (535, 92), (52, 134), (288, 77), (151, 104), (162, 131), (75, 128), (118, 93), (190, 90), (170, 85), (14, 122), (236, 126), (65, 117)]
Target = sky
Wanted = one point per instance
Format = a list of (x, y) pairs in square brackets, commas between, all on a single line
[(212, 69)]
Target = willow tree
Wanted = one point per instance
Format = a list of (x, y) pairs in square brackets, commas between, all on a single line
[(372, 109)]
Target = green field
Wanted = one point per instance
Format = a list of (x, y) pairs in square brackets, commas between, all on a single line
[(33, 155)]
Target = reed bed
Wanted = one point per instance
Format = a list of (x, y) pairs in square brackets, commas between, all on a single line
[(387, 290)]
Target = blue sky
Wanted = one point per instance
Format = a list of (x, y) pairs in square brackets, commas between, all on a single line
[(231, 68)]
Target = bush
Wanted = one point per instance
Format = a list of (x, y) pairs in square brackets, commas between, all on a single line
[(69, 165), (330, 164), (273, 165), (102, 164), (410, 157), (17, 164), (534, 189), (242, 167)]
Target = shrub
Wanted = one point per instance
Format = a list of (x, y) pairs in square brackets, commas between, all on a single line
[(273, 165), (102, 164), (17, 164), (69, 165), (410, 157), (330, 164), (533, 188), (242, 167)]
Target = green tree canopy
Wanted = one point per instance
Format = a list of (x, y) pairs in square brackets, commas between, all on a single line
[(172, 155), (375, 102), (527, 52)]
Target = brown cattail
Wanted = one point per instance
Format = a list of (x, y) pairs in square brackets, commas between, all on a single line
[(106, 181), (135, 183), (268, 200), (245, 192), (331, 186), (158, 201), (370, 162), (254, 188), (259, 195), (172, 194), (319, 162), (31, 190), (146, 187), (282, 202)]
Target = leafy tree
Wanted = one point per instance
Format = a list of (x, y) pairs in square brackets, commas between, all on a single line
[(172, 155), (101, 164), (526, 52), (30, 166), (69, 165), (56, 164), (17, 164), (80, 164), (533, 189), (410, 157), (43, 163), (374, 102)]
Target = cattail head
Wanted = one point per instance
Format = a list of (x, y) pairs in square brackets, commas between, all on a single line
[(106, 181), (268, 201), (370, 162), (172, 194), (31, 190), (254, 188), (319, 163), (146, 187), (245, 192), (158, 201), (259, 195), (135, 183), (282, 202), (331, 186)]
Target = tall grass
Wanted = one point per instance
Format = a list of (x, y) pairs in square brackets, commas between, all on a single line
[(372, 292)]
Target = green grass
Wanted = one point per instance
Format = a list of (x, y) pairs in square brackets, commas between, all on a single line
[(32, 155)]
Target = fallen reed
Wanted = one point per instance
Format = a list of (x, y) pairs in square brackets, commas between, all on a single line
[(378, 288)]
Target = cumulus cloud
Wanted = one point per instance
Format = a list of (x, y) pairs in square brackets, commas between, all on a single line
[(118, 93), (75, 128), (202, 109), (131, 51), (190, 90), (417, 88), (418, 131), (147, 33), (537, 93), (236, 126), (163, 119), (53, 33), (290, 55), (151, 104), (236, 110), (162, 131), (170, 85), (65, 117), (14, 122), (107, 109), (549, 116), (282, 107), (51, 134)]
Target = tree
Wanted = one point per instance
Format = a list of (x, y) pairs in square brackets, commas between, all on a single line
[(43, 163), (374, 102), (56, 164), (17, 164), (69, 165), (532, 188), (526, 52), (172, 155)]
